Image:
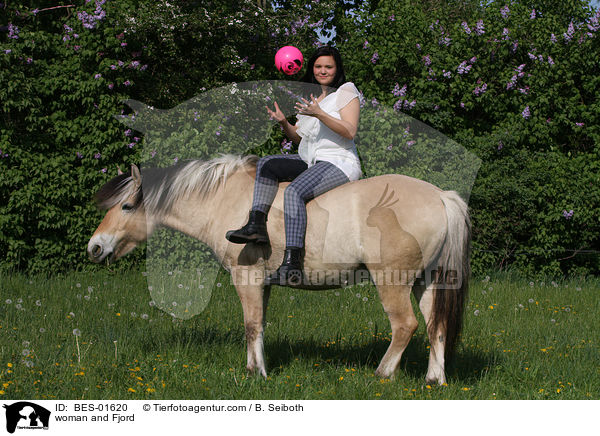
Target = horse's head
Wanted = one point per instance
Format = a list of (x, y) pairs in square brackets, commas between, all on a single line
[(125, 225)]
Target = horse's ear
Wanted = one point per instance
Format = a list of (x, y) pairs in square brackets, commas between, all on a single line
[(136, 176), (119, 172)]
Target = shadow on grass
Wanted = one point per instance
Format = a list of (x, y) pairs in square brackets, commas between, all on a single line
[(466, 366)]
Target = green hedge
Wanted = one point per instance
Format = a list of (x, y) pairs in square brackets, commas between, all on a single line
[(511, 85)]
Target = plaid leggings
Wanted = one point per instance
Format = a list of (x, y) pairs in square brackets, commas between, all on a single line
[(307, 183)]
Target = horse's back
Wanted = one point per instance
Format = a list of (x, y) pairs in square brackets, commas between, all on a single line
[(370, 219)]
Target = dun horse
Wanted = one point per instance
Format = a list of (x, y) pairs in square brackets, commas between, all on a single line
[(407, 234)]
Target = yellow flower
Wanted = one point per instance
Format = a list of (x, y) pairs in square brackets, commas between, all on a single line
[(2, 392), (465, 389), (150, 390), (341, 378), (118, 313), (9, 365), (130, 390)]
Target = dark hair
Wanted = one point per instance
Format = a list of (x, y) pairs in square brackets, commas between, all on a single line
[(326, 50)]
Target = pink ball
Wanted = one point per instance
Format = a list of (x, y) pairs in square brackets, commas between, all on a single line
[(289, 60)]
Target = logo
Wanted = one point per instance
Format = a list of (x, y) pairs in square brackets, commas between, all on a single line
[(26, 415)]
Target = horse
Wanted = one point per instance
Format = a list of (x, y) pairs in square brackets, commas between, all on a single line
[(414, 238)]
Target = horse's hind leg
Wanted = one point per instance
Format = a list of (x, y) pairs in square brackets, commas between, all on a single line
[(397, 305), (435, 371)]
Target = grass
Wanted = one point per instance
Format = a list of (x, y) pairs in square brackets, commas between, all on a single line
[(97, 336)]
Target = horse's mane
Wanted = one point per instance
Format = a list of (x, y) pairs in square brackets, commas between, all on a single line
[(162, 186)]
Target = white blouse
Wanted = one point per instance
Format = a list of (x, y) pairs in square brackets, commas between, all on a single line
[(319, 142)]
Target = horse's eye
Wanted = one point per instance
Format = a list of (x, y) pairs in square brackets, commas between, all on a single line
[(127, 207)]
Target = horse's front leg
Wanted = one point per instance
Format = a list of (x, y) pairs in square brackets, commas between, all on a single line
[(254, 300)]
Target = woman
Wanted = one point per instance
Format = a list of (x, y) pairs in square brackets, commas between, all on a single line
[(326, 158)]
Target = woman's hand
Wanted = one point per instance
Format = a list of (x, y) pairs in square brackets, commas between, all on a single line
[(276, 115), (310, 108)]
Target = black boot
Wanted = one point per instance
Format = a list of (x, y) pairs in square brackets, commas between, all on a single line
[(290, 272), (255, 230)]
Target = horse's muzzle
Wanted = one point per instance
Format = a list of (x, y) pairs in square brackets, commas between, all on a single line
[(97, 253)]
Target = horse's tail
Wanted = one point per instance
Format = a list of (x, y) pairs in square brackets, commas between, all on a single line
[(450, 292)]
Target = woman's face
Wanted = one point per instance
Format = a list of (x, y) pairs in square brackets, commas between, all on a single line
[(324, 70)]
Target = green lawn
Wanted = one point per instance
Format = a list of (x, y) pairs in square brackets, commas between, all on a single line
[(521, 340)]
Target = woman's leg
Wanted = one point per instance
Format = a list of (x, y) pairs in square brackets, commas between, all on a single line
[(270, 170), (320, 178)]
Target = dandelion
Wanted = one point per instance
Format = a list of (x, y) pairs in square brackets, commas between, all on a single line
[(476, 313), (8, 301)]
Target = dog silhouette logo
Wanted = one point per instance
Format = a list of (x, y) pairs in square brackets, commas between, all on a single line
[(26, 415)]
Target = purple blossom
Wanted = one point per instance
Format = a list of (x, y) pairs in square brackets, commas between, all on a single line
[(515, 46), (392, 17), (97, 155), (127, 83), (505, 12), (568, 35), (444, 40), (505, 33), (480, 89), (532, 16), (79, 155), (399, 92), (175, 159), (418, 47), (8, 51), (479, 28), (463, 68), (374, 58), (374, 102), (447, 74), (526, 113), (410, 143), (532, 56), (466, 27), (111, 85), (568, 214), (553, 38), (365, 45), (500, 145), (427, 60), (97, 76), (524, 90), (103, 170), (580, 124), (398, 105), (13, 31), (153, 153)]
